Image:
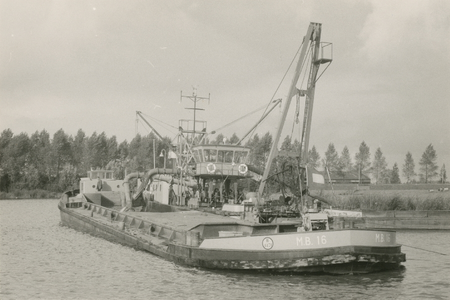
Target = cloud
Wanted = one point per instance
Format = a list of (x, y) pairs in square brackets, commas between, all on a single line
[(406, 31), (388, 83)]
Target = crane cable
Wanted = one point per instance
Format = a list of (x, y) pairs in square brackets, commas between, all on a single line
[(281, 81), (297, 111)]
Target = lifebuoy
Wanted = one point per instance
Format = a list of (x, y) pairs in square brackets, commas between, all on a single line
[(243, 168), (211, 168)]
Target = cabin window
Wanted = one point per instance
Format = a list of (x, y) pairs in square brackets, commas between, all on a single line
[(210, 155), (220, 156), (197, 156), (228, 157), (240, 157)]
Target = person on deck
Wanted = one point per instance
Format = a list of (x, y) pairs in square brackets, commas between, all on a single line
[(172, 196), (99, 184)]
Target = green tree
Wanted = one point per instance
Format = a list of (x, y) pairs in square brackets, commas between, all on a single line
[(15, 158), (313, 158), (286, 161), (428, 163), (38, 170), (408, 168), (286, 145), (67, 179), (286, 150), (219, 139), (443, 174), (133, 152), (395, 177), (252, 144), (379, 165), (345, 160), (234, 139), (61, 151), (5, 139), (264, 147), (362, 158), (123, 150), (102, 150), (145, 152), (78, 145), (96, 151), (331, 159)]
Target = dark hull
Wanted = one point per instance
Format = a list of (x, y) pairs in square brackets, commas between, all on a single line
[(336, 260)]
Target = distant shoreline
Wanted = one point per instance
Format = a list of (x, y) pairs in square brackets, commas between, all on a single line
[(29, 195), (1, 199)]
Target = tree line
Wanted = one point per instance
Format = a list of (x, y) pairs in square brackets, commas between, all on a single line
[(363, 164), (41, 162)]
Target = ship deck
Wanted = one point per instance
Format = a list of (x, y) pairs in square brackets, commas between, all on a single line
[(180, 221), (186, 220)]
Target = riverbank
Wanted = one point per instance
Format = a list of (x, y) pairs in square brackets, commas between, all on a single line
[(375, 199), (29, 194), (396, 220)]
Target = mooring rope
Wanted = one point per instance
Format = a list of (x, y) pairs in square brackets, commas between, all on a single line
[(424, 249)]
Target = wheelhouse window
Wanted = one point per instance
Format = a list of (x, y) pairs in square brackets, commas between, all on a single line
[(210, 155), (197, 155), (220, 156), (228, 157), (240, 157)]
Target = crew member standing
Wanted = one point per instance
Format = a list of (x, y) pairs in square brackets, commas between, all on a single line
[(99, 184)]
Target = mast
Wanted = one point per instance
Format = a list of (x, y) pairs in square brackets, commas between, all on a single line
[(193, 127), (312, 37), (194, 98)]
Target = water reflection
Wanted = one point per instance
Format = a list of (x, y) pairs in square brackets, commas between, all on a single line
[(42, 260)]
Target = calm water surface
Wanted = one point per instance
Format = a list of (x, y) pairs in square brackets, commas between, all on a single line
[(40, 259)]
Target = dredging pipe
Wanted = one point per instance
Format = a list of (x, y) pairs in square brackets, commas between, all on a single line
[(126, 187), (148, 177)]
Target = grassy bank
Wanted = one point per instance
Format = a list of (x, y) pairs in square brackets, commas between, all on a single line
[(382, 200), (29, 194)]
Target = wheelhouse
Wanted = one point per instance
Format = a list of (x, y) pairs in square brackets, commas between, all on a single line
[(221, 160)]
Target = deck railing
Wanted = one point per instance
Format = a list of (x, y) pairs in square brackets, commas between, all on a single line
[(190, 238)]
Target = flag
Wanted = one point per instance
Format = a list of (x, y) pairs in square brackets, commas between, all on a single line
[(315, 179)]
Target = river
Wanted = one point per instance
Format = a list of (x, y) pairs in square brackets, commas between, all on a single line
[(40, 259)]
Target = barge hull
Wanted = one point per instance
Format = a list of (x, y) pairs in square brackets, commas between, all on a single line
[(337, 260)]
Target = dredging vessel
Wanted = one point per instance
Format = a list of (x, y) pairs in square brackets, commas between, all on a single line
[(288, 238)]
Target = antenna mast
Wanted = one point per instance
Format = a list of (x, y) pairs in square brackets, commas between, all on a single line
[(194, 98)]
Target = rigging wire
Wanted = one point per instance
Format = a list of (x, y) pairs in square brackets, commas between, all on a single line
[(154, 119), (146, 127), (281, 82), (161, 123), (250, 113), (307, 58)]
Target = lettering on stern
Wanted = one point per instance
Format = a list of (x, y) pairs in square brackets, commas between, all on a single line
[(311, 241), (383, 237)]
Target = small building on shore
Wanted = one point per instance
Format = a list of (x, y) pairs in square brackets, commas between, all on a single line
[(346, 178)]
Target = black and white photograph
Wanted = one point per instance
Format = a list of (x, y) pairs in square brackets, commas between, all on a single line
[(224, 149)]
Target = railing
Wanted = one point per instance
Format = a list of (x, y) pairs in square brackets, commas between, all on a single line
[(190, 238)]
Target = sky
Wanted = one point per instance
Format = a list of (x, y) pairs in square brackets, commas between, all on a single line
[(92, 64)]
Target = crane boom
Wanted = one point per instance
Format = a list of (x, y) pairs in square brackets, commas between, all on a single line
[(146, 122), (312, 38)]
